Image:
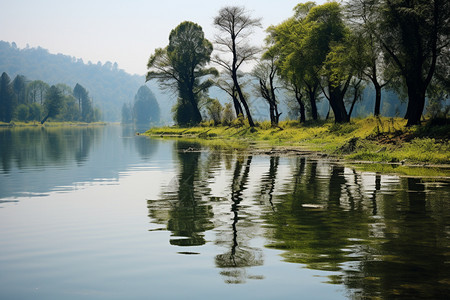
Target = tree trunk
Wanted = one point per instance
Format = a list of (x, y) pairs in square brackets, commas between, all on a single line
[(377, 99), (302, 112), (237, 107), (272, 115), (416, 104), (197, 117), (299, 97), (243, 101), (312, 101), (338, 107), (45, 119)]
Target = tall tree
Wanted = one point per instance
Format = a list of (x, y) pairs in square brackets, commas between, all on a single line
[(36, 91), (7, 99), (53, 103), (181, 67), (414, 35), (84, 103), (20, 86), (367, 52), (297, 69), (265, 72), (235, 27), (325, 45), (80, 93)]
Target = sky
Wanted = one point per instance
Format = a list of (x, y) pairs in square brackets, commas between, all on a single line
[(127, 31)]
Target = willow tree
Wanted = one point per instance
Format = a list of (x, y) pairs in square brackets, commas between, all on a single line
[(235, 27), (181, 67)]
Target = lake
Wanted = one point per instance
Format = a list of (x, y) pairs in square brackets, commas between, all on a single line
[(100, 213)]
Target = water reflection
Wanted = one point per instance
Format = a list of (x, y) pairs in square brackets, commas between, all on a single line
[(381, 235), (37, 160), (181, 206), (39, 147), (239, 255)]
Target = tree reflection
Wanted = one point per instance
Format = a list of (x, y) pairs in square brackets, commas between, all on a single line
[(388, 242), (378, 236), (268, 180), (240, 256), (41, 147), (181, 207)]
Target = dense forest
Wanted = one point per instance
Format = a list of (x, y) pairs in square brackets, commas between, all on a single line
[(358, 57), (34, 100), (109, 87)]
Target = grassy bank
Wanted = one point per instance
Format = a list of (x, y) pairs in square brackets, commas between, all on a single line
[(369, 139)]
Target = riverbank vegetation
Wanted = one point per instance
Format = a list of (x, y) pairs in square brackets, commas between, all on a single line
[(375, 139), (331, 52), (23, 100)]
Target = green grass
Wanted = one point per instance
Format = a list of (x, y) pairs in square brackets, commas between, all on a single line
[(369, 139)]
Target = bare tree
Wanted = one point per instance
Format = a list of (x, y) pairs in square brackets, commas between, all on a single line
[(235, 28)]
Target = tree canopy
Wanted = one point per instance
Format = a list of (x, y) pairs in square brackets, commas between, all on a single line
[(181, 67)]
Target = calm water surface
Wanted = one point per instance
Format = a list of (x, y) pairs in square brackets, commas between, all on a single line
[(98, 213)]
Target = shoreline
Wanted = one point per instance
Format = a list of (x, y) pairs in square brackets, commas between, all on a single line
[(378, 144)]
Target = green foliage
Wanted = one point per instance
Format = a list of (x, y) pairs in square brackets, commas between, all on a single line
[(369, 139), (214, 109), (181, 67), (53, 103), (22, 112), (35, 112), (227, 114)]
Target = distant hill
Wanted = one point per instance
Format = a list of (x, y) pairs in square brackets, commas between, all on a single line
[(109, 86)]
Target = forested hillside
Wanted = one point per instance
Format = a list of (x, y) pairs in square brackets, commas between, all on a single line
[(109, 86)]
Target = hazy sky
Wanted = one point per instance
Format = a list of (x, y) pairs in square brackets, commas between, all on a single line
[(125, 31)]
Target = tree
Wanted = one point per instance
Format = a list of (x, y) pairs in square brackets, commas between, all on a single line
[(7, 99), (145, 108), (20, 87), (53, 103), (227, 85), (227, 114), (295, 65), (325, 44), (22, 112), (36, 91), (265, 72), (84, 103), (415, 36), (80, 93), (235, 26), (181, 67), (214, 109), (367, 52)]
